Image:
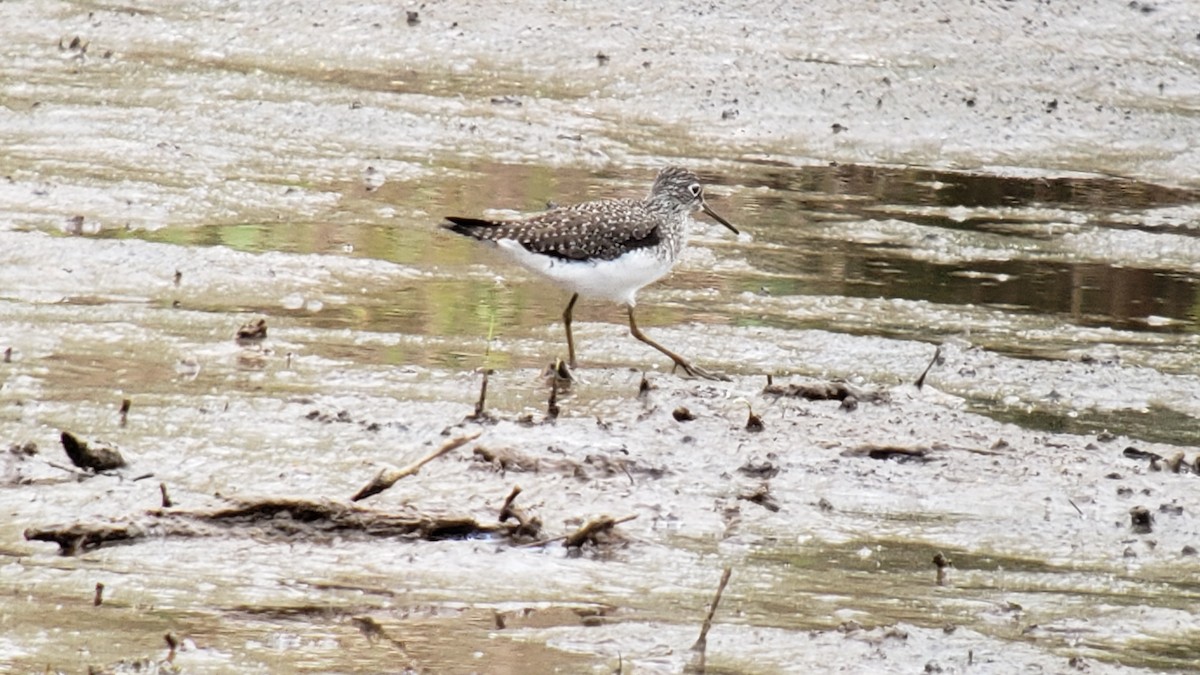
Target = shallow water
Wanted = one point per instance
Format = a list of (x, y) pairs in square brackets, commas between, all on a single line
[(234, 161), (1026, 268)]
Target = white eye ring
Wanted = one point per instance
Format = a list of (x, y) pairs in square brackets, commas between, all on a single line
[(694, 188)]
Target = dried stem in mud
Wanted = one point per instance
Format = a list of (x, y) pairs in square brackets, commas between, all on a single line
[(390, 476), (702, 641), (754, 423), (937, 354), (526, 525), (480, 414)]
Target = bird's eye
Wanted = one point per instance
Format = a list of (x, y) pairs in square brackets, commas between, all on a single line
[(694, 188)]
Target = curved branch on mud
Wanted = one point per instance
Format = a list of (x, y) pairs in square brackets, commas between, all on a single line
[(390, 476)]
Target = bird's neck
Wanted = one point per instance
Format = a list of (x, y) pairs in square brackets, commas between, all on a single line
[(674, 233)]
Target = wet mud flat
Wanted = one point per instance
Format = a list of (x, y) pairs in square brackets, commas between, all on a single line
[(579, 526), (221, 276)]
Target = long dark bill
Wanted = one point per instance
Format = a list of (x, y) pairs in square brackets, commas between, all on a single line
[(713, 214)]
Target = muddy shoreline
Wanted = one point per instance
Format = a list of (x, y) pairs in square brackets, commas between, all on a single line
[(1008, 184)]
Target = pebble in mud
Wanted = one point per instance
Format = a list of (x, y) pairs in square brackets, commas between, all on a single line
[(91, 456), (682, 414), (759, 469), (1175, 463), (1171, 509), (77, 44), (373, 179), (761, 495), (28, 449), (252, 332), (1140, 520)]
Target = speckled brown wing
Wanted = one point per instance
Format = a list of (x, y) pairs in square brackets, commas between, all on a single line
[(602, 230)]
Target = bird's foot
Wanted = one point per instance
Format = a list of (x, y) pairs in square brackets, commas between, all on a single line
[(697, 371)]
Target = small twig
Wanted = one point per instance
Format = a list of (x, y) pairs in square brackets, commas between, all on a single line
[(389, 476), (702, 641), (506, 510), (592, 527), (644, 386), (937, 354), (526, 525), (78, 473)]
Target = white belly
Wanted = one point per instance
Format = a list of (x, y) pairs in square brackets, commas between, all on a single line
[(616, 280)]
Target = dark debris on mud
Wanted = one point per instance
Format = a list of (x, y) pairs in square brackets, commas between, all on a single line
[(289, 517), (270, 518), (825, 391)]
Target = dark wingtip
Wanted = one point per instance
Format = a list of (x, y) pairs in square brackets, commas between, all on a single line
[(465, 226)]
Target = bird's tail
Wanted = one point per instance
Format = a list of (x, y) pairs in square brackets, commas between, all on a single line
[(472, 227)]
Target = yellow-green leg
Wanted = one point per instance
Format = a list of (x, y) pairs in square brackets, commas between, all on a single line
[(567, 324), (688, 368)]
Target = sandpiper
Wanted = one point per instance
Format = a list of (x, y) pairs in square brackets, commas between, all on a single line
[(608, 249)]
